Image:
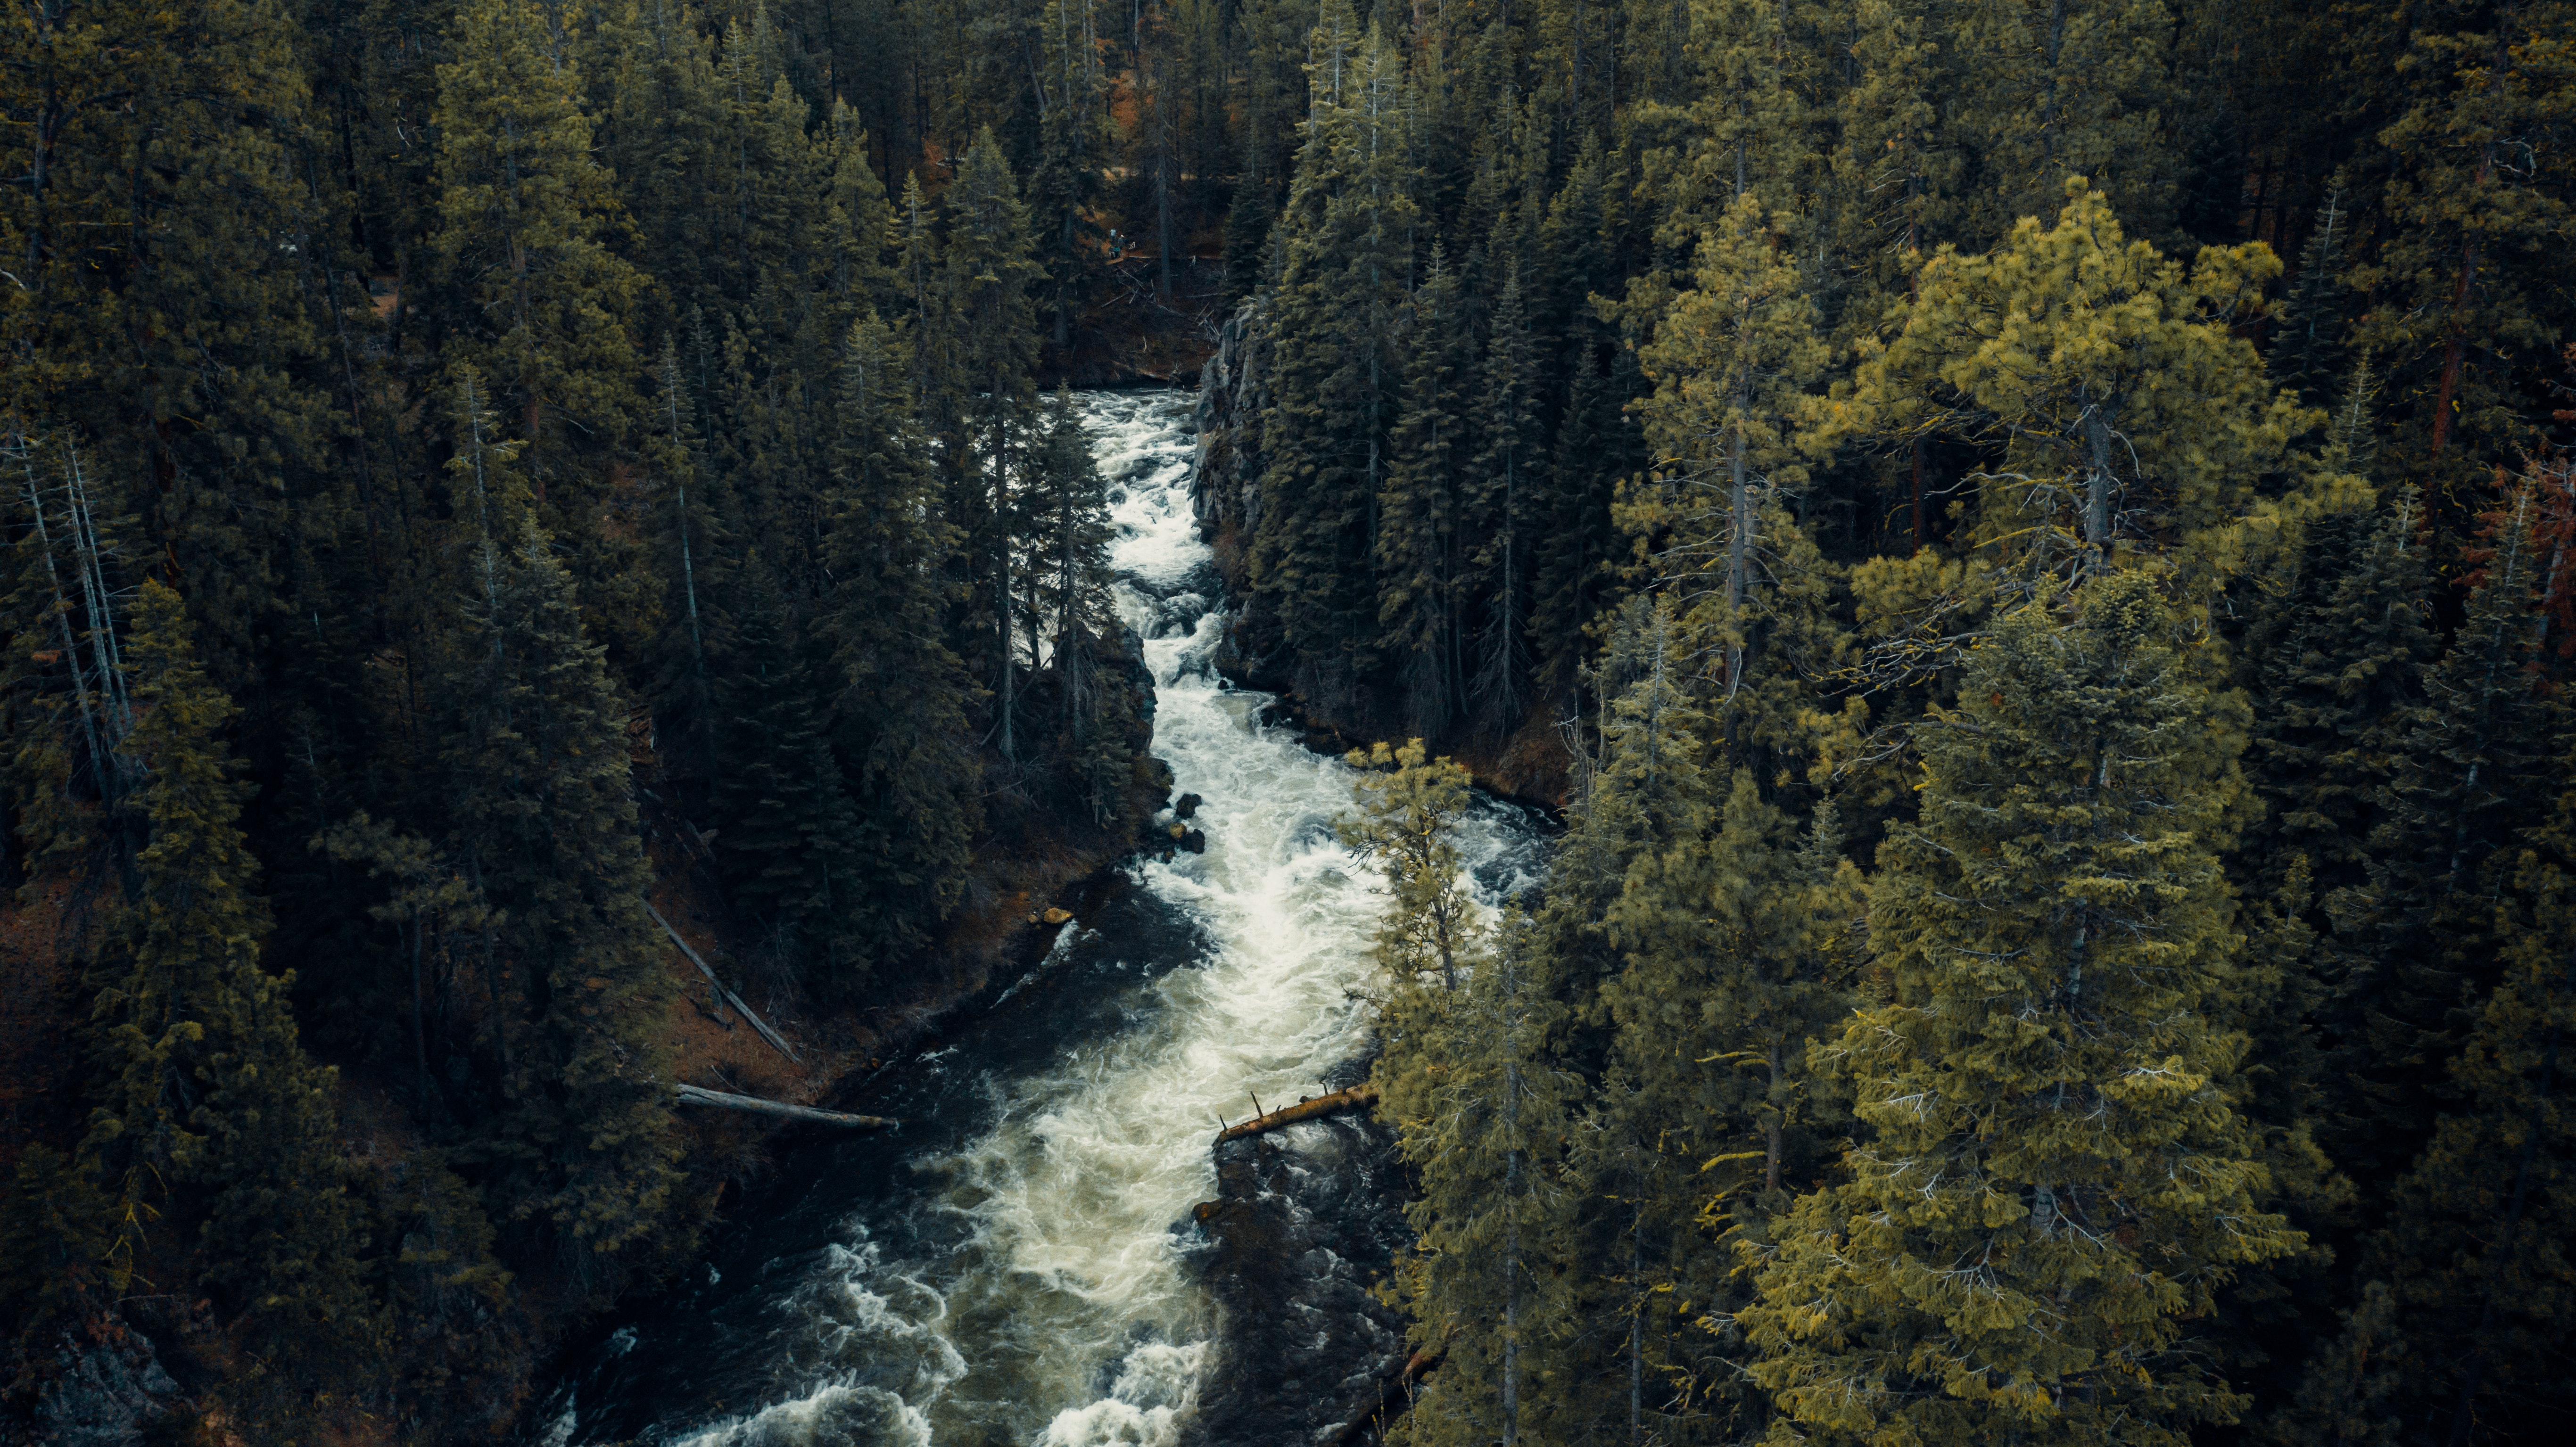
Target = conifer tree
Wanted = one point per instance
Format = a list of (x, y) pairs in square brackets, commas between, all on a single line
[(786, 827), (207, 1090), (1422, 527), (526, 214), (2422, 924), (903, 694), (2463, 257), (1731, 360), (2336, 664), (164, 282), (1507, 500), (2067, 89), (1347, 254), (986, 272), (574, 1133), (2476, 1246), (2114, 400), (2058, 1178), (1479, 1105)]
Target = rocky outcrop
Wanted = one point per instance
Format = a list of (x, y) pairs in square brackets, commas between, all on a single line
[(1305, 1221), (1234, 388), (103, 1393)]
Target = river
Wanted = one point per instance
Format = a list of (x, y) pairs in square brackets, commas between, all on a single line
[(1013, 1265)]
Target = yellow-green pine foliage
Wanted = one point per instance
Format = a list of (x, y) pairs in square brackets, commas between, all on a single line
[(1731, 361), (2055, 1179), (1479, 1104), (2111, 403), (1409, 804), (2053, 89)]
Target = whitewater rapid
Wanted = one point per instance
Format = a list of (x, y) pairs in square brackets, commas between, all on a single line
[(1028, 1281)]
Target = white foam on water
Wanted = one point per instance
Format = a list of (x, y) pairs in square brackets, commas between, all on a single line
[(1068, 1317)]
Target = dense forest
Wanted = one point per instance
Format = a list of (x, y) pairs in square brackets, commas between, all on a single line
[(465, 461), (2028, 539), (2041, 532)]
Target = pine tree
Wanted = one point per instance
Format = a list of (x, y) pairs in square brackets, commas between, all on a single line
[(1507, 501), (1421, 512), (525, 220), (786, 827), (2482, 1224), (2066, 89), (1100, 728), (2421, 927), (2058, 1178), (1345, 238), (2335, 663), (2105, 384), (166, 273), (986, 272), (2463, 257), (907, 753), (1480, 1110), (206, 1088), (1731, 360), (574, 1134)]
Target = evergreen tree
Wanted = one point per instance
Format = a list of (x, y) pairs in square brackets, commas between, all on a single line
[(2462, 256), (2066, 89), (2421, 925), (541, 299), (1099, 724), (1422, 530), (1347, 255), (574, 1133), (1731, 360), (986, 272), (1507, 500), (2476, 1246), (903, 696), (206, 1089), (2102, 381), (2058, 1178)]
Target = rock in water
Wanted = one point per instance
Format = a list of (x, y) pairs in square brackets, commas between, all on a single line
[(1188, 805), (1194, 841)]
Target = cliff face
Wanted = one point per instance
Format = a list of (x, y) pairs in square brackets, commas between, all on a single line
[(1336, 711), (1225, 490)]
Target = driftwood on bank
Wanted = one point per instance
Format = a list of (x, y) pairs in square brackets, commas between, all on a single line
[(694, 1095), (730, 997), (1393, 1396), (1340, 1100)]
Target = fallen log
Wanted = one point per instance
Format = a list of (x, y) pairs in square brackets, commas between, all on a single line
[(1393, 1396), (694, 1095), (731, 998), (1322, 1105)]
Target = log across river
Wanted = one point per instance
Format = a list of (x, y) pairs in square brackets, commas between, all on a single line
[(1013, 1264)]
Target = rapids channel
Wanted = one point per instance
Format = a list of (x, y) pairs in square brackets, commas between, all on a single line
[(1013, 1266)]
